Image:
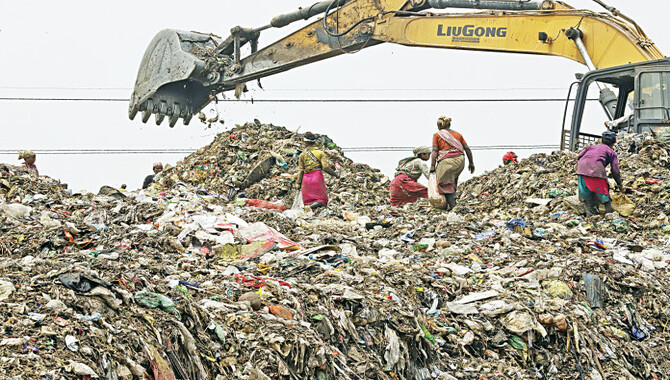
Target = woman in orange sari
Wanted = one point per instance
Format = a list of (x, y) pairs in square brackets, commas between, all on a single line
[(447, 159)]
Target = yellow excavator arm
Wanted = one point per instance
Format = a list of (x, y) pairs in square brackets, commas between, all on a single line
[(607, 42), (181, 72)]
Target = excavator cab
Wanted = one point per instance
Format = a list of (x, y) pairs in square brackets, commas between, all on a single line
[(641, 105)]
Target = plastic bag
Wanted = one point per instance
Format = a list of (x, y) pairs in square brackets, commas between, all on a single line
[(81, 282), (436, 199), (297, 202), (16, 210), (264, 204), (6, 289), (596, 290), (154, 300), (259, 231), (622, 204)]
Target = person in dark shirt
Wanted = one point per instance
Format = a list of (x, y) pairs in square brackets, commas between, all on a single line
[(158, 167)]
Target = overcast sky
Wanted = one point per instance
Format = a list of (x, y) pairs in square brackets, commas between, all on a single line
[(88, 49)]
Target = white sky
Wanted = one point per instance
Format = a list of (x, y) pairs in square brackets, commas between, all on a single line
[(93, 49)]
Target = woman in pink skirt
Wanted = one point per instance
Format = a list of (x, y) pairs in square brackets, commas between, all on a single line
[(311, 165), (404, 187)]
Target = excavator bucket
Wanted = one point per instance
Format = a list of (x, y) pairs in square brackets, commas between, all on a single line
[(176, 76)]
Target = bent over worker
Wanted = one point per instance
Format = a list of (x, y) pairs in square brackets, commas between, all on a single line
[(592, 175), (509, 157), (404, 187), (447, 159), (311, 165)]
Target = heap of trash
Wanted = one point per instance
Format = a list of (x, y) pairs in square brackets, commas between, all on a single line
[(182, 281), (543, 185), (260, 161)]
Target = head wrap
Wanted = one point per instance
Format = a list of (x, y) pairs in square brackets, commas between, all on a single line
[(444, 122), (609, 137), (23, 154), (421, 150), (158, 165), (510, 156), (309, 138)]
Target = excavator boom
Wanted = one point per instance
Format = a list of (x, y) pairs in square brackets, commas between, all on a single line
[(181, 72)]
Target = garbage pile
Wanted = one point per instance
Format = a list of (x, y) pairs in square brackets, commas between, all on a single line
[(544, 184), (259, 161), (184, 284)]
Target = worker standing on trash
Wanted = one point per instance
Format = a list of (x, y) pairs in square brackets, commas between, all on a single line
[(404, 187), (311, 165), (28, 157), (158, 167), (447, 159), (592, 175), (509, 157)]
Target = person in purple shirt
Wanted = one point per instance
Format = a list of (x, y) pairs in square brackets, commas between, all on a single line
[(592, 175)]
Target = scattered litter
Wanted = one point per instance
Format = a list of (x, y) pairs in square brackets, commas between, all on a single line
[(189, 280)]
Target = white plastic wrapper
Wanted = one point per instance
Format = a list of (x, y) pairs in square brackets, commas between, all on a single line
[(436, 199)]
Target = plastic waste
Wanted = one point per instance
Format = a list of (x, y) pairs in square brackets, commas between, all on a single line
[(81, 282), (622, 204), (485, 235), (16, 210), (519, 322), (71, 343), (259, 231), (596, 291), (436, 199), (154, 300), (557, 288), (297, 202), (264, 204), (80, 369), (280, 311), (364, 303), (6, 289)]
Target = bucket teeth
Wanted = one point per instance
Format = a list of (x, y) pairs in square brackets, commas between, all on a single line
[(145, 116), (162, 109), (132, 113)]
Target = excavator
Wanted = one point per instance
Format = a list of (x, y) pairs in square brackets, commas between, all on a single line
[(181, 72)]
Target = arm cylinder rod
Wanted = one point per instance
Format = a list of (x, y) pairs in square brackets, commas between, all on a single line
[(514, 5), (607, 97), (304, 13), (584, 53)]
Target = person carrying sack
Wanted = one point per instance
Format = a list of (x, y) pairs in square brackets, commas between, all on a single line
[(447, 160)]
